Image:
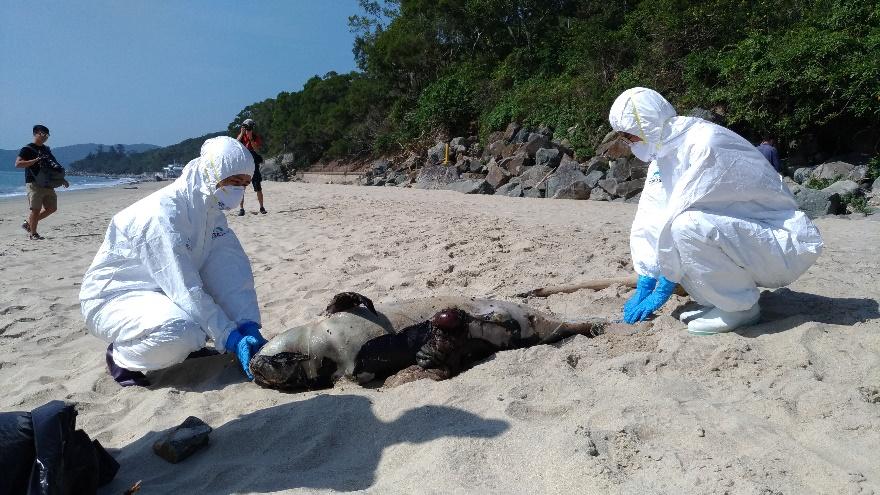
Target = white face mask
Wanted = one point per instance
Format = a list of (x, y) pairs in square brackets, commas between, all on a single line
[(229, 196), (643, 151)]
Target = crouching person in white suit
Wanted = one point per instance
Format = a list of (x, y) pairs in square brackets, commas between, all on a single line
[(171, 275), (714, 216)]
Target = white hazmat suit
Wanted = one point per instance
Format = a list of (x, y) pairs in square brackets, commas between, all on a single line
[(170, 273), (714, 215)]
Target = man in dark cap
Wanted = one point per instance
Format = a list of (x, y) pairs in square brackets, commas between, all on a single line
[(42, 201)]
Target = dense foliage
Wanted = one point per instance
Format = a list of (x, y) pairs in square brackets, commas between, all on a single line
[(117, 160), (790, 68)]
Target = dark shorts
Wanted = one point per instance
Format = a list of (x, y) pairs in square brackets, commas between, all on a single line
[(257, 179)]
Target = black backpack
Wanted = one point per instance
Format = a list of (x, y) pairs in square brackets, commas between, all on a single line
[(42, 453)]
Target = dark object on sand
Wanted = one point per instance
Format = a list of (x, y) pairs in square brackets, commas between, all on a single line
[(445, 335), (182, 441), (42, 453)]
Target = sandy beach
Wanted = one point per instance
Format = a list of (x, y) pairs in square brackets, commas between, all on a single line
[(789, 406)]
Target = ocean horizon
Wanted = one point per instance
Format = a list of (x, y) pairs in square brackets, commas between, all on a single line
[(12, 182)]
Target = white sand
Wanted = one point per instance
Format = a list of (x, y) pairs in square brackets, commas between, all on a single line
[(790, 406)]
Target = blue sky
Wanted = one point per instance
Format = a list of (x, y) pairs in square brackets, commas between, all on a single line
[(157, 71)]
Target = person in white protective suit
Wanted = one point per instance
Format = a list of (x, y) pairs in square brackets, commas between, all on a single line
[(714, 216), (171, 275)]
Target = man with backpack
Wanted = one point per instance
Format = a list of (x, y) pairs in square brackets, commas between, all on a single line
[(42, 174)]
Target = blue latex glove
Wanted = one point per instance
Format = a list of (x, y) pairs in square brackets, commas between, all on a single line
[(643, 289), (653, 302), (252, 328), (244, 347)]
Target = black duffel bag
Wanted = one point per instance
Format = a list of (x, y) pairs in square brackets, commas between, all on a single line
[(42, 453)]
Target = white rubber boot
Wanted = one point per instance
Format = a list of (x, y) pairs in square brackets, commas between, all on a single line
[(719, 321), (687, 316)]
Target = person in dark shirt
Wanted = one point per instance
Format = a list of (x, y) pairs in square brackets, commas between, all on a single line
[(768, 149), (252, 142), (42, 201)]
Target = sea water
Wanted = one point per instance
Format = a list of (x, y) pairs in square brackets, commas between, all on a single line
[(12, 182)]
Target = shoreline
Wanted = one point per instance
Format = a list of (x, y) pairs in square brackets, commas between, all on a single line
[(88, 187)]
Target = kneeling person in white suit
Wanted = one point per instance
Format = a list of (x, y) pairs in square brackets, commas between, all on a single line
[(714, 216), (171, 275)]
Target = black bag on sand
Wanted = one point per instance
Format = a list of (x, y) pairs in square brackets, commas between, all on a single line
[(42, 453)]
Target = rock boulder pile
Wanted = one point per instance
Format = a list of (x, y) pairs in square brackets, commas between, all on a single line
[(529, 163), (518, 162)]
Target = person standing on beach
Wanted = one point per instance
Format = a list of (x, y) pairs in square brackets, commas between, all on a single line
[(171, 274), (768, 149), (723, 224), (42, 201), (252, 142)]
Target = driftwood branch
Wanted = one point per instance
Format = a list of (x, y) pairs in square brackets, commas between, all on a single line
[(595, 284)]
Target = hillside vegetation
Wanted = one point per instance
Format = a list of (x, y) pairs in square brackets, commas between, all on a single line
[(801, 70), (118, 160)]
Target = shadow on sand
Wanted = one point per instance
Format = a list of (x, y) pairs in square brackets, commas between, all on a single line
[(784, 309), (326, 442)]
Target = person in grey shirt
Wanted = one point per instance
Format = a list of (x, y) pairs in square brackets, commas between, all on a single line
[(768, 149)]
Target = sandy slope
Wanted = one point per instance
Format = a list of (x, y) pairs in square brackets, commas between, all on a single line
[(791, 405)]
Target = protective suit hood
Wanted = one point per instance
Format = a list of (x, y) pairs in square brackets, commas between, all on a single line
[(220, 157), (644, 113)]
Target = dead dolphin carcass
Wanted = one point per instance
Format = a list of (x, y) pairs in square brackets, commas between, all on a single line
[(443, 335)]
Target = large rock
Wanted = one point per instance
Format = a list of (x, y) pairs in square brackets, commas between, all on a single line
[(510, 132), (436, 177), (534, 176), (546, 131), (286, 160), (468, 164), (535, 142), (461, 141), (516, 164), (437, 153), (843, 187), (630, 188), (470, 187), (495, 150), (616, 148), (599, 163), (182, 441), (532, 193), (380, 166), (609, 185), (497, 176), (816, 203), (859, 173), (522, 136), (567, 182), (833, 170), (875, 187), (412, 162), (513, 190), (273, 170), (637, 168), (802, 174), (548, 156), (620, 170), (594, 177), (599, 194)]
